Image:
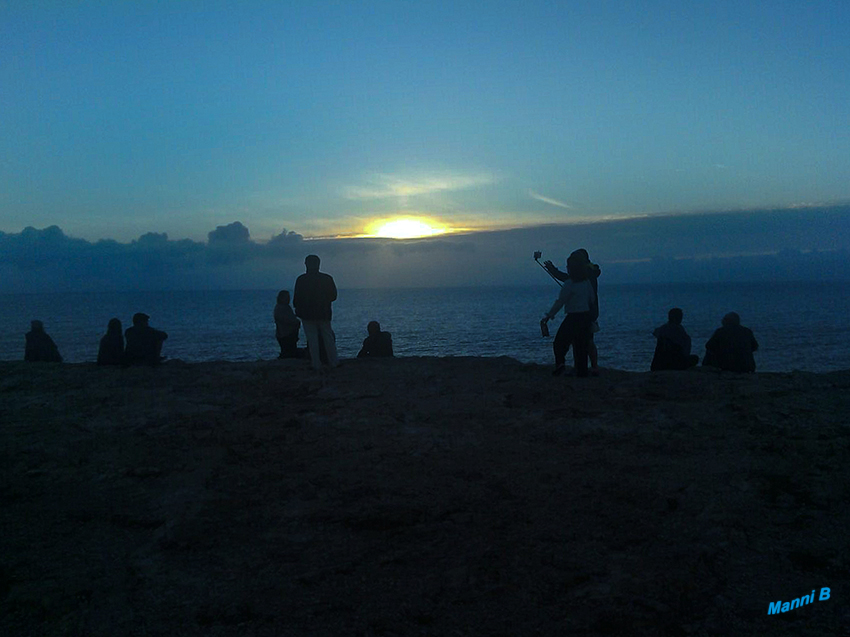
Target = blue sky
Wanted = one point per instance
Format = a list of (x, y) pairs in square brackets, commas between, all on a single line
[(120, 119)]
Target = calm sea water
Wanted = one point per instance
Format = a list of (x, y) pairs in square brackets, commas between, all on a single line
[(803, 326)]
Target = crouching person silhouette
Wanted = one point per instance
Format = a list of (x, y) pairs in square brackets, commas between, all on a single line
[(40, 348), (377, 344), (144, 343), (673, 346)]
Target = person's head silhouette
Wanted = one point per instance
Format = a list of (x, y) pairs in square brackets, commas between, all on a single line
[(312, 263), (675, 316)]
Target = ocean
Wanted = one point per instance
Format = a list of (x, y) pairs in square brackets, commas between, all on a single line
[(799, 326)]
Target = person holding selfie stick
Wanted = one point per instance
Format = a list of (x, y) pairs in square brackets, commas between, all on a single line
[(593, 272), (578, 300)]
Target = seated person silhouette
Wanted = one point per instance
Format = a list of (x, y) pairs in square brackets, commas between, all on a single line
[(40, 348), (144, 343), (673, 347), (731, 346), (111, 350), (286, 326), (378, 343)]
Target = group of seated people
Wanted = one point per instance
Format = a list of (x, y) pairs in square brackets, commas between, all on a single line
[(143, 344), (730, 348)]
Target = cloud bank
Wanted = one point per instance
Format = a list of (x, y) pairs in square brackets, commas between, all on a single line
[(811, 243)]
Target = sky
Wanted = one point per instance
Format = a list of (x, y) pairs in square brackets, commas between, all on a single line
[(299, 126)]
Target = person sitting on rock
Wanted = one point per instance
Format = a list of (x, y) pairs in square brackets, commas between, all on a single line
[(731, 346), (673, 347), (40, 348), (144, 343), (111, 350), (378, 343)]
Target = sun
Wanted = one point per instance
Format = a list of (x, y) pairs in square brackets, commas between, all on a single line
[(405, 228)]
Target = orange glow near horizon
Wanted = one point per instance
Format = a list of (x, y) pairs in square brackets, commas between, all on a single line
[(405, 228)]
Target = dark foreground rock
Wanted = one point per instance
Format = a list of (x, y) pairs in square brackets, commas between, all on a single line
[(420, 496)]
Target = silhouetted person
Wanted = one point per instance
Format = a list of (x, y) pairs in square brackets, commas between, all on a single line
[(312, 298), (731, 346), (40, 347), (286, 326), (144, 343), (111, 350), (593, 272), (673, 346), (378, 343), (578, 299)]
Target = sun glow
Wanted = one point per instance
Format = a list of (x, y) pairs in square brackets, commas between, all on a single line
[(405, 228)]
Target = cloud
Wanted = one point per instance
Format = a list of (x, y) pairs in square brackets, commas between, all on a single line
[(284, 244), (383, 186), (770, 245), (233, 233), (549, 200), (48, 259), (229, 244)]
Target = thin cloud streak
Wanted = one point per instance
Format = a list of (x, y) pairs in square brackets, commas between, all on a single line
[(388, 186), (549, 200)]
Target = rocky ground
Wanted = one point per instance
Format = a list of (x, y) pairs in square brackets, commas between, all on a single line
[(420, 496)]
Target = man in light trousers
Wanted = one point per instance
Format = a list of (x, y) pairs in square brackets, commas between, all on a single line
[(312, 298)]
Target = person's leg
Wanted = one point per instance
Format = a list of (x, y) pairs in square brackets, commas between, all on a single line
[(329, 339), (594, 354), (282, 343), (560, 346), (580, 330), (311, 333), (289, 346)]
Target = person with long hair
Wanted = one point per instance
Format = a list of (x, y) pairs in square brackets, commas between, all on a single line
[(578, 300), (593, 272), (111, 350)]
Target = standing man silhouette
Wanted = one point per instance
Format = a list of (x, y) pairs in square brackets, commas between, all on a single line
[(312, 298)]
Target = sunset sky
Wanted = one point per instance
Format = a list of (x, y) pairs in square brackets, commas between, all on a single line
[(332, 119)]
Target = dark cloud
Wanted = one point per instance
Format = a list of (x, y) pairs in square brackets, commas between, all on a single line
[(757, 246), (36, 248), (231, 234), (285, 245), (286, 238), (229, 245)]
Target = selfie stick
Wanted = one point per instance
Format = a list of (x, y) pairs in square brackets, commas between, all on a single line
[(537, 256)]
